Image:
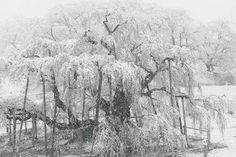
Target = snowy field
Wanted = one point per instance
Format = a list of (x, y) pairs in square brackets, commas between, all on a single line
[(229, 139)]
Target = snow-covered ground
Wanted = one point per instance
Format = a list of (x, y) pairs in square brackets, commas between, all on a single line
[(229, 140)]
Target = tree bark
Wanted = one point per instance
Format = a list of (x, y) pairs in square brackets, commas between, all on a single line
[(74, 121)]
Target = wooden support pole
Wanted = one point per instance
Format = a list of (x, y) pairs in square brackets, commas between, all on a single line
[(25, 126), (10, 132), (25, 98), (14, 132), (33, 129), (209, 133), (205, 151), (171, 91), (45, 115), (180, 121), (98, 97), (56, 96), (36, 129), (185, 124), (83, 105), (53, 131), (110, 93)]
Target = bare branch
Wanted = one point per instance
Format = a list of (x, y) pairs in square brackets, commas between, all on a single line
[(135, 47), (52, 34), (109, 30)]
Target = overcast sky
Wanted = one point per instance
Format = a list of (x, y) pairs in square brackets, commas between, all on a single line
[(200, 10)]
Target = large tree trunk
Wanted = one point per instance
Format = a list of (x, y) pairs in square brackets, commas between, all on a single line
[(74, 122), (121, 105)]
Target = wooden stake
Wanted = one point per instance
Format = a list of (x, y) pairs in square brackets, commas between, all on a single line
[(180, 121), (10, 133), (45, 115), (33, 129), (23, 115), (185, 125), (98, 97), (110, 93), (171, 91), (56, 96), (36, 129), (54, 131), (14, 132), (25, 126), (83, 106), (209, 133)]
